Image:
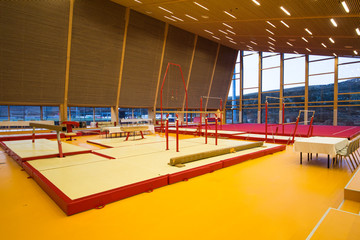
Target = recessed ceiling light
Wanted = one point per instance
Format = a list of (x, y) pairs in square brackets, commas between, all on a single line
[(170, 18), (357, 31), (223, 32), (289, 44), (164, 9), (271, 24), (331, 40), (230, 32), (296, 52), (201, 6), (208, 31), (271, 47), (333, 22), (335, 54), (304, 39), (271, 43), (216, 37), (227, 25), (271, 50), (285, 11), (269, 31), (345, 6), (256, 2), (272, 39), (232, 42), (356, 53), (324, 45), (230, 14), (285, 24), (253, 42), (308, 49), (177, 18), (137, 1), (229, 38), (191, 17), (204, 16), (308, 31)]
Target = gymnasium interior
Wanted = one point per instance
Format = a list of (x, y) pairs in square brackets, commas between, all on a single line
[(180, 119)]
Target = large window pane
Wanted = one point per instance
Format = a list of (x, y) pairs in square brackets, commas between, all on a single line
[(249, 115), (349, 116), (318, 57), (271, 79), (323, 115), (102, 114), (4, 115), (294, 70), (273, 61), (25, 113), (294, 90), (50, 113), (351, 70), (82, 114), (251, 70), (324, 66), (321, 88)]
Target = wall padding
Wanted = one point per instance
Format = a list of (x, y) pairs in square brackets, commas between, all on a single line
[(33, 43), (222, 77), (201, 73), (97, 37), (143, 50), (179, 48)]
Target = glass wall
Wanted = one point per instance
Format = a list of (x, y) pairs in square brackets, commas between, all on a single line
[(4, 113), (316, 74), (250, 89), (89, 114), (349, 91), (132, 113)]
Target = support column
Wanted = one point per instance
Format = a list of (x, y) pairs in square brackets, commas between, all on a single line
[(336, 91), (241, 85), (114, 114), (306, 103), (281, 94), (212, 75), (127, 17), (260, 88), (63, 107)]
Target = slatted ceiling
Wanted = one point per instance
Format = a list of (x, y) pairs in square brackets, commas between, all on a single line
[(97, 36), (142, 61), (202, 69), (222, 77), (179, 48), (251, 21), (33, 54)]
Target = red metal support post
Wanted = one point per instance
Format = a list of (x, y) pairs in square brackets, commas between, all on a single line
[(216, 133), (167, 132), (297, 123), (266, 120), (177, 133), (206, 126), (33, 135), (310, 127), (283, 118)]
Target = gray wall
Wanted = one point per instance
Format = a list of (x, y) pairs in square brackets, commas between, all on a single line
[(34, 38)]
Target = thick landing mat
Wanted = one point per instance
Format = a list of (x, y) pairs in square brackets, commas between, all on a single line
[(25, 150), (86, 181)]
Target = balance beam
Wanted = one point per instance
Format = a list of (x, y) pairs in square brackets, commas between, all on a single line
[(58, 129), (48, 126), (198, 156), (134, 129)]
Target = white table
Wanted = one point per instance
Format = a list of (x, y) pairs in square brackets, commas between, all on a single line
[(326, 145)]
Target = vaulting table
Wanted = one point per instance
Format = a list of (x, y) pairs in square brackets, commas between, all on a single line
[(326, 145)]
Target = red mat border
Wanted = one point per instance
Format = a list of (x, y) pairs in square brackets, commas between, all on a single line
[(98, 200)]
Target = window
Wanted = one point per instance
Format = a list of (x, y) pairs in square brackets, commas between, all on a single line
[(50, 113), (81, 114), (25, 113), (4, 113), (102, 114)]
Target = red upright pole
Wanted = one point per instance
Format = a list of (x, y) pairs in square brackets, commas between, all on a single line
[(206, 126), (266, 118), (33, 135), (200, 116), (167, 132), (311, 122), (216, 135), (161, 93), (221, 114), (297, 122), (177, 133), (283, 117)]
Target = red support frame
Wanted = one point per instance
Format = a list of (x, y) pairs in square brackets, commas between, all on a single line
[(161, 92)]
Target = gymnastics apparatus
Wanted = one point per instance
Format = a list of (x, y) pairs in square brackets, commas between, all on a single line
[(292, 137)]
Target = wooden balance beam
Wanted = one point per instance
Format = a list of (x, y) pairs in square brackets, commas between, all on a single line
[(208, 154), (58, 129), (134, 129)]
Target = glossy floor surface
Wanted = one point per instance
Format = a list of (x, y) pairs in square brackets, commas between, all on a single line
[(272, 197)]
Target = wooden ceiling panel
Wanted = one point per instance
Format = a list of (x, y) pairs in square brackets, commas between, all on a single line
[(251, 21)]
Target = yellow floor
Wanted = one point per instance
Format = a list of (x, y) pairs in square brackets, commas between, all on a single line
[(273, 197)]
